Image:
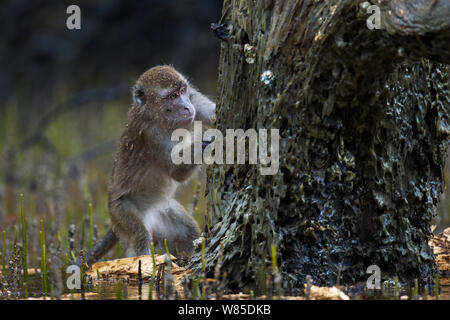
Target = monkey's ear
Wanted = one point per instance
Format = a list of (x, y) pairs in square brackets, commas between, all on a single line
[(138, 95)]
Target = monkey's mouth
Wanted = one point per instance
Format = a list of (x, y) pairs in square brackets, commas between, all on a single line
[(184, 122)]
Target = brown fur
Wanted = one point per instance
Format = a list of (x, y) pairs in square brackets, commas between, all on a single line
[(161, 76)]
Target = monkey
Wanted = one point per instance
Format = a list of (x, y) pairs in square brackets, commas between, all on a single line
[(141, 192)]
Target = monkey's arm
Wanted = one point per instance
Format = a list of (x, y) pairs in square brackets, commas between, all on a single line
[(205, 108), (182, 172)]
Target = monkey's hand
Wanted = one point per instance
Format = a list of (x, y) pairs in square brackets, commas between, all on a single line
[(206, 143)]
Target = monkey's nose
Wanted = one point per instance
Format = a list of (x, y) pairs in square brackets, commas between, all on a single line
[(187, 111)]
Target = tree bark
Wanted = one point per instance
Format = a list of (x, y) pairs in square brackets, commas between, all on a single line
[(364, 126)]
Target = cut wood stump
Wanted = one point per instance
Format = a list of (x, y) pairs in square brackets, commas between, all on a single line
[(128, 268), (441, 248)]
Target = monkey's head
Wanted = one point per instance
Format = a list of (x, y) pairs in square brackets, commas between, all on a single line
[(161, 93)]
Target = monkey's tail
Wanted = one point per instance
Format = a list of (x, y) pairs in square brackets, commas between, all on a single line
[(101, 248)]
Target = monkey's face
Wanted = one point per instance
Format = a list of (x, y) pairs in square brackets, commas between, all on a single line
[(176, 107), (163, 93)]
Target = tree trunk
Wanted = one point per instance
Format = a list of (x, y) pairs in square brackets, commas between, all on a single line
[(364, 126)]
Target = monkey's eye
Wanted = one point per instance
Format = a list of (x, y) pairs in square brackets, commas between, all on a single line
[(139, 93), (183, 90), (173, 95)]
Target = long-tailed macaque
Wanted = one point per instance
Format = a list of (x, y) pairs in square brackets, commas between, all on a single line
[(144, 180)]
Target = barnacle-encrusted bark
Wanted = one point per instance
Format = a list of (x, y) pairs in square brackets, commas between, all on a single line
[(364, 125)]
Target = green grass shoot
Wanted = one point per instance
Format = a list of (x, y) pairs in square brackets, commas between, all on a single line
[(4, 252), (91, 228), (24, 246), (43, 259), (274, 259), (168, 253), (203, 255)]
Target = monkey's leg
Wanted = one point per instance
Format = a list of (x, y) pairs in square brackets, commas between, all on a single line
[(178, 228), (182, 172), (128, 223), (101, 248)]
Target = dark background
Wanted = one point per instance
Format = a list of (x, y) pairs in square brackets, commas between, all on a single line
[(118, 40)]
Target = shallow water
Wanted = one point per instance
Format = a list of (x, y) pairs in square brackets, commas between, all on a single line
[(108, 291), (390, 294), (118, 289)]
